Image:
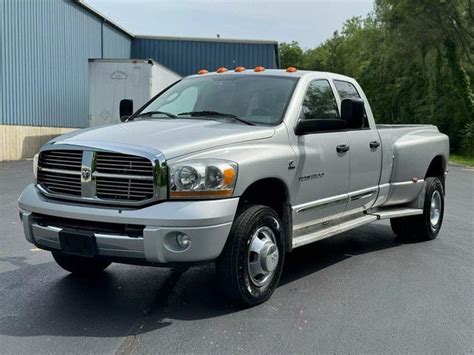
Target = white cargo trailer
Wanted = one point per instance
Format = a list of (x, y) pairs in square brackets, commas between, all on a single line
[(111, 80)]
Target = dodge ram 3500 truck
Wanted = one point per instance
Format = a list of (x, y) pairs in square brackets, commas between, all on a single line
[(238, 167)]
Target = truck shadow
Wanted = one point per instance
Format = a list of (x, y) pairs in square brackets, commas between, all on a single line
[(126, 301)]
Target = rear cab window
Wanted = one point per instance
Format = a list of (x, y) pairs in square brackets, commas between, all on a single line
[(347, 90)]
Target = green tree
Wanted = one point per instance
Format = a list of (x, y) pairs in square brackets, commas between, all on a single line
[(291, 55), (414, 60)]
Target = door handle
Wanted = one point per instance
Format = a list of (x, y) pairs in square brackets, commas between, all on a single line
[(374, 144), (342, 148)]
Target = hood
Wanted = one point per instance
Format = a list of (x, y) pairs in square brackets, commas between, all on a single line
[(172, 137)]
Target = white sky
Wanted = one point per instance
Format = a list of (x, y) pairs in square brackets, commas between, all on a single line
[(307, 21)]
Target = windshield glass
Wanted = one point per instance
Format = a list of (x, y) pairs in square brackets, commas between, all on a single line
[(254, 98)]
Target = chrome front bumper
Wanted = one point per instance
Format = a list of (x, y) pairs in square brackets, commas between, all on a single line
[(207, 223)]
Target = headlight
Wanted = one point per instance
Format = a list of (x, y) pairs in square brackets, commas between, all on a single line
[(206, 178), (35, 165)]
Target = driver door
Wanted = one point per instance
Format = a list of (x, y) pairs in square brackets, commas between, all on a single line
[(323, 168)]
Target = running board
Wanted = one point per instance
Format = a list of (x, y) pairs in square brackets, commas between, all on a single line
[(332, 230), (395, 212)]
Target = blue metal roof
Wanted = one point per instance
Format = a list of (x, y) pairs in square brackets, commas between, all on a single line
[(187, 55)]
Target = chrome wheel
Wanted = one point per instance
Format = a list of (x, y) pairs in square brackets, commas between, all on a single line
[(263, 256), (435, 209)]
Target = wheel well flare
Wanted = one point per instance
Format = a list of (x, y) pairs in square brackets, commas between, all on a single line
[(437, 167), (271, 192)]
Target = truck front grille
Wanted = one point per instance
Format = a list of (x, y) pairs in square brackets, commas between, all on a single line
[(121, 164), (123, 177), (60, 171), (91, 176), (124, 188)]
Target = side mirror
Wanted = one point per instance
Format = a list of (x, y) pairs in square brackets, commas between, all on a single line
[(309, 126), (352, 112), (126, 109)]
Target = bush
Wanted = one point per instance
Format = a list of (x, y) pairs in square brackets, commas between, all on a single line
[(467, 142)]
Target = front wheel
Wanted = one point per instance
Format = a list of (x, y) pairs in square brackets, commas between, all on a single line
[(80, 265), (251, 264), (427, 225)]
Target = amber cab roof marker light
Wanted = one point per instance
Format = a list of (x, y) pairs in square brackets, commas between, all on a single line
[(239, 69), (202, 71), (221, 70), (259, 69), (291, 69)]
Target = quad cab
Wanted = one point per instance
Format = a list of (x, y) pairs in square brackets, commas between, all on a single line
[(237, 167)]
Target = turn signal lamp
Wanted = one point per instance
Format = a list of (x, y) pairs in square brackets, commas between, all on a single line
[(259, 69), (221, 70), (202, 71), (239, 69), (291, 70)]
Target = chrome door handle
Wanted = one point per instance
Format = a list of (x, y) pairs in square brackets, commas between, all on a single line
[(374, 144), (342, 148)]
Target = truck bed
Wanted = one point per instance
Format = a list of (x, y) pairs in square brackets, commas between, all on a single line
[(407, 153), (397, 126)]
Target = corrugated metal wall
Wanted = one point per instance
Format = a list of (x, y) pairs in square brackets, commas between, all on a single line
[(45, 47), (116, 44), (186, 56)]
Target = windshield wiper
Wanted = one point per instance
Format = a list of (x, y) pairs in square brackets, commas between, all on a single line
[(150, 113), (215, 114)]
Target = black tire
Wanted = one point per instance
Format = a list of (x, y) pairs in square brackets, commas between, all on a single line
[(399, 226), (236, 282), (80, 265), (421, 227)]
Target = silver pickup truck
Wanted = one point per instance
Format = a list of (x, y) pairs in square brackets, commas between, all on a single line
[(238, 167)]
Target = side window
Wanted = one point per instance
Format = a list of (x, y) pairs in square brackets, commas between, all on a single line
[(347, 90), (319, 102)]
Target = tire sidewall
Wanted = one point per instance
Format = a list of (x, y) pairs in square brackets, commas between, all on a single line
[(433, 184), (263, 216)]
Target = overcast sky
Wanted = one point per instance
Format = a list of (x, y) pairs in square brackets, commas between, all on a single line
[(309, 22)]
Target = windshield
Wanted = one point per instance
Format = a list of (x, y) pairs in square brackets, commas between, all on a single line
[(254, 98)]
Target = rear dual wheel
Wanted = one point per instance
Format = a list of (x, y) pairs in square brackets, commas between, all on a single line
[(427, 225)]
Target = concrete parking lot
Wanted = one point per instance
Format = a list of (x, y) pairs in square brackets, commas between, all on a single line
[(359, 292)]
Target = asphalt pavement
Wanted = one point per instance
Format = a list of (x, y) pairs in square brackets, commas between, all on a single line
[(360, 292)]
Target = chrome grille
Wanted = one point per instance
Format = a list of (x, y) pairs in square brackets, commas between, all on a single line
[(122, 164), (91, 176), (124, 188), (61, 159), (123, 177), (59, 171)]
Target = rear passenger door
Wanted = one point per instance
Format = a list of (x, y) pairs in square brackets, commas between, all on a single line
[(365, 157)]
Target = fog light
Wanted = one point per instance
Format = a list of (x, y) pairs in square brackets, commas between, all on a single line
[(183, 240)]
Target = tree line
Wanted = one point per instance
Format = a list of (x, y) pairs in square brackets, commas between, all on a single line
[(414, 59)]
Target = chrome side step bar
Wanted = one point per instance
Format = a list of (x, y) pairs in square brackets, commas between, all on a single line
[(332, 230), (386, 213), (370, 216)]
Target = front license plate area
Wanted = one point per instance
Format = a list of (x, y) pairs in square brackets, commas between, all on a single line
[(78, 243)]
